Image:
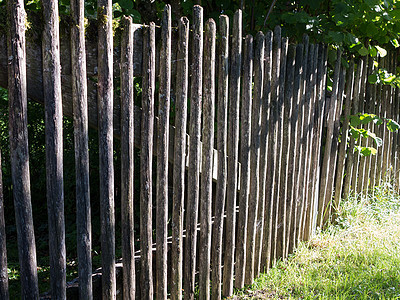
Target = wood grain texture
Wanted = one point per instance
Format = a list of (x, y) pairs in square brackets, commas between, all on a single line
[(222, 125), (179, 160), (194, 153), (245, 142), (146, 160), (106, 166), (233, 147), (4, 294), (164, 99), (127, 161), (264, 209), (18, 131), (80, 111), (207, 157)]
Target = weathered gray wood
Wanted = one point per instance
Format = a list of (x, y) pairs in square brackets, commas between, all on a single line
[(54, 148), (194, 153), (296, 124), (179, 160), (207, 157), (351, 158), (105, 121), (162, 157), (378, 112), (335, 145), (300, 191), (127, 161), (343, 142), (289, 141), (18, 131), (263, 211), (146, 157), (280, 227), (255, 141), (245, 142), (374, 128), (273, 180), (311, 93), (3, 250), (233, 146), (80, 107), (323, 201), (222, 125)]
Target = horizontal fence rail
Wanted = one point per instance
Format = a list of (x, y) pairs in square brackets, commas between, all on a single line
[(242, 149)]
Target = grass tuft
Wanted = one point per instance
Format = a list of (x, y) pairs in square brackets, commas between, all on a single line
[(357, 258)]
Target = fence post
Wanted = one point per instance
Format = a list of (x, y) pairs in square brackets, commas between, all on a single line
[(194, 153), (3, 249), (254, 158), (127, 160), (263, 209), (207, 159), (19, 148), (146, 159), (222, 124), (162, 157), (232, 160), (79, 94), (179, 159)]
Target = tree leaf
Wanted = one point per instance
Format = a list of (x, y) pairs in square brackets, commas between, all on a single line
[(382, 52)]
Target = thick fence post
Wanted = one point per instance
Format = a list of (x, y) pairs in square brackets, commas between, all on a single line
[(194, 153), (245, 140), (127, 160), (232, 160), (207, 159), (179, 159), (263, 210), (79, 92), (162, 157), (222, 124), (254, 158), (146, 159), (3, 250), (19, 149)]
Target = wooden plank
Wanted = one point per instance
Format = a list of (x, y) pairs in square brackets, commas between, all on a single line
[(222, 125), (309, 186), (263, 211), (345, 132), (105, 107), (245, 142), (324, 201), (54, 149), (378, 112), (146, 159), (194, 153), (273, 183), (3, 249), (19, 152), (80, 110), (127, 161), (303, 119), (351, 158), (254, 158), (287, 154), (296, 130), (233, 146), (179, 160), (207, 157), (162, 157), (374, 128)]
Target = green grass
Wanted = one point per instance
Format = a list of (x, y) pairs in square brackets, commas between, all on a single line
[(358, 258)]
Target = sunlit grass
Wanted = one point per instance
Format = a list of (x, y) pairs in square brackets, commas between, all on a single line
[(358, 258)]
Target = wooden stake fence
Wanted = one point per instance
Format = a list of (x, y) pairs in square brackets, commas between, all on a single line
[(223, 215)]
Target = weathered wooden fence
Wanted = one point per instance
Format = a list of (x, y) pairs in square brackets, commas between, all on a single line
[(258, 163)]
